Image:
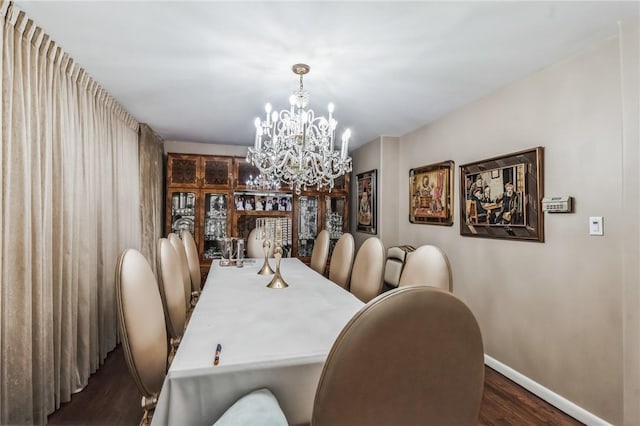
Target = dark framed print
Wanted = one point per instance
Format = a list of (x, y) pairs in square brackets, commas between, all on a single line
[(431, 194), (367, 195), (501, 197)]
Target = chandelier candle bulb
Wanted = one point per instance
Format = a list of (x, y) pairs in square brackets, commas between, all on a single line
[(267, 108), (257, 142)]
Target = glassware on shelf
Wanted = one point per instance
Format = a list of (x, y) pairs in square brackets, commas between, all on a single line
[(240, 253), (215, 224), (307, 224), (333, 224)]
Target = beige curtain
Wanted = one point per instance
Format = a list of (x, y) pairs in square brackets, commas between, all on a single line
[(151, 191), (70, 205)]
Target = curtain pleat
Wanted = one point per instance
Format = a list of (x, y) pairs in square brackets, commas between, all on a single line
[(70, 180), (151, 191)]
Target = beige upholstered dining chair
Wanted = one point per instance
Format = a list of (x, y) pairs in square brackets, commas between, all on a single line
[(342, 260), (431, 373), (172, 292), (254, 246), (183, 265), (393, 266), (142, 327), (193, 262), (427, 265), (366, 275), (320, 252)]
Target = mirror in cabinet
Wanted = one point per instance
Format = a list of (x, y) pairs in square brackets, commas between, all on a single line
[(216, 224), (307, 224), (183, 211)]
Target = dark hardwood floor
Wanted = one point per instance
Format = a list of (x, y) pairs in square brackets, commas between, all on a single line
[(111, 398)]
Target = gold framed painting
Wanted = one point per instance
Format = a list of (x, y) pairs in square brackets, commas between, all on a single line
[(501, 197), (431, 194)]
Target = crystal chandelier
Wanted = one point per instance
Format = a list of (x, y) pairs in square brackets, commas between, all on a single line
[(296, 147)]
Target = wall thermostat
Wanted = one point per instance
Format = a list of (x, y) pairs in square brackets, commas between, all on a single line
[(556, 204)]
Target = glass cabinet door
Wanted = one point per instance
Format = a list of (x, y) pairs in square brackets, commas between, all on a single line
[(183, 212), (307, 224), (215, 224), (335, 208)]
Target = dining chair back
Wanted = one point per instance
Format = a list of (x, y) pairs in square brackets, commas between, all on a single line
[(320, 252), (254, 246), (142, 326), (396, 257), (193, 262), (342, 260), (183, 267), (366, 275), (171, 291), (430, 372), (427, 265)]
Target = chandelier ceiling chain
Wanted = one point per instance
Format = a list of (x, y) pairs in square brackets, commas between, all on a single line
[(296, 147)]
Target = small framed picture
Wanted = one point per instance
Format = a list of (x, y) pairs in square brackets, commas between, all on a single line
[(366, 216), (431, 194)]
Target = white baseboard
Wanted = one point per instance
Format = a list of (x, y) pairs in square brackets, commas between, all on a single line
[(548, 395)]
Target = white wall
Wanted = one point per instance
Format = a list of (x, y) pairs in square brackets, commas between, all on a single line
[(630, 88), (389, 181), (380, 154), (365, 158), (552, 310)]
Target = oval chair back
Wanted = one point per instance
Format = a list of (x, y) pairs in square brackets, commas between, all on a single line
[(171, 288), (142, 325), (254, 246), (431, 371), (342, 260), (193, 261), (183, 266), (366, 275), (427, 265), (320, 252)]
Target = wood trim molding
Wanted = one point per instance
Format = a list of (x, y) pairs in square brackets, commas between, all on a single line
[(548, 395)]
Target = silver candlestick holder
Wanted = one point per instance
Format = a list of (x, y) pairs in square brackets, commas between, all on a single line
[(265, 230), (277, 281)]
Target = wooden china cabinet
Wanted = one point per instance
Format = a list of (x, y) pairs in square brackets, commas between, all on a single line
[(209, 196), (318, 210), (198, 199)]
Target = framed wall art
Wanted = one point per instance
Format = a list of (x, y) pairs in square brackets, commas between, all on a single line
[(501, 197), (366, 216), (431, 194)]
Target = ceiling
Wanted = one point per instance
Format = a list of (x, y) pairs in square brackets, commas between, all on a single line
[(202, 71)]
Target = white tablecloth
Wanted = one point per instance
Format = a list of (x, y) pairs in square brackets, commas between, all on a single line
[(274, 338)]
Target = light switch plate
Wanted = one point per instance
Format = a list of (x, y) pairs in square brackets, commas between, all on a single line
[(595, 225)]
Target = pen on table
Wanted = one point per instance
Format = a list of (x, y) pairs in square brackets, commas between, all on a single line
[(216, 360)]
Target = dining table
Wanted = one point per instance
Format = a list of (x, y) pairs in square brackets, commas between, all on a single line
[(264, 338)]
